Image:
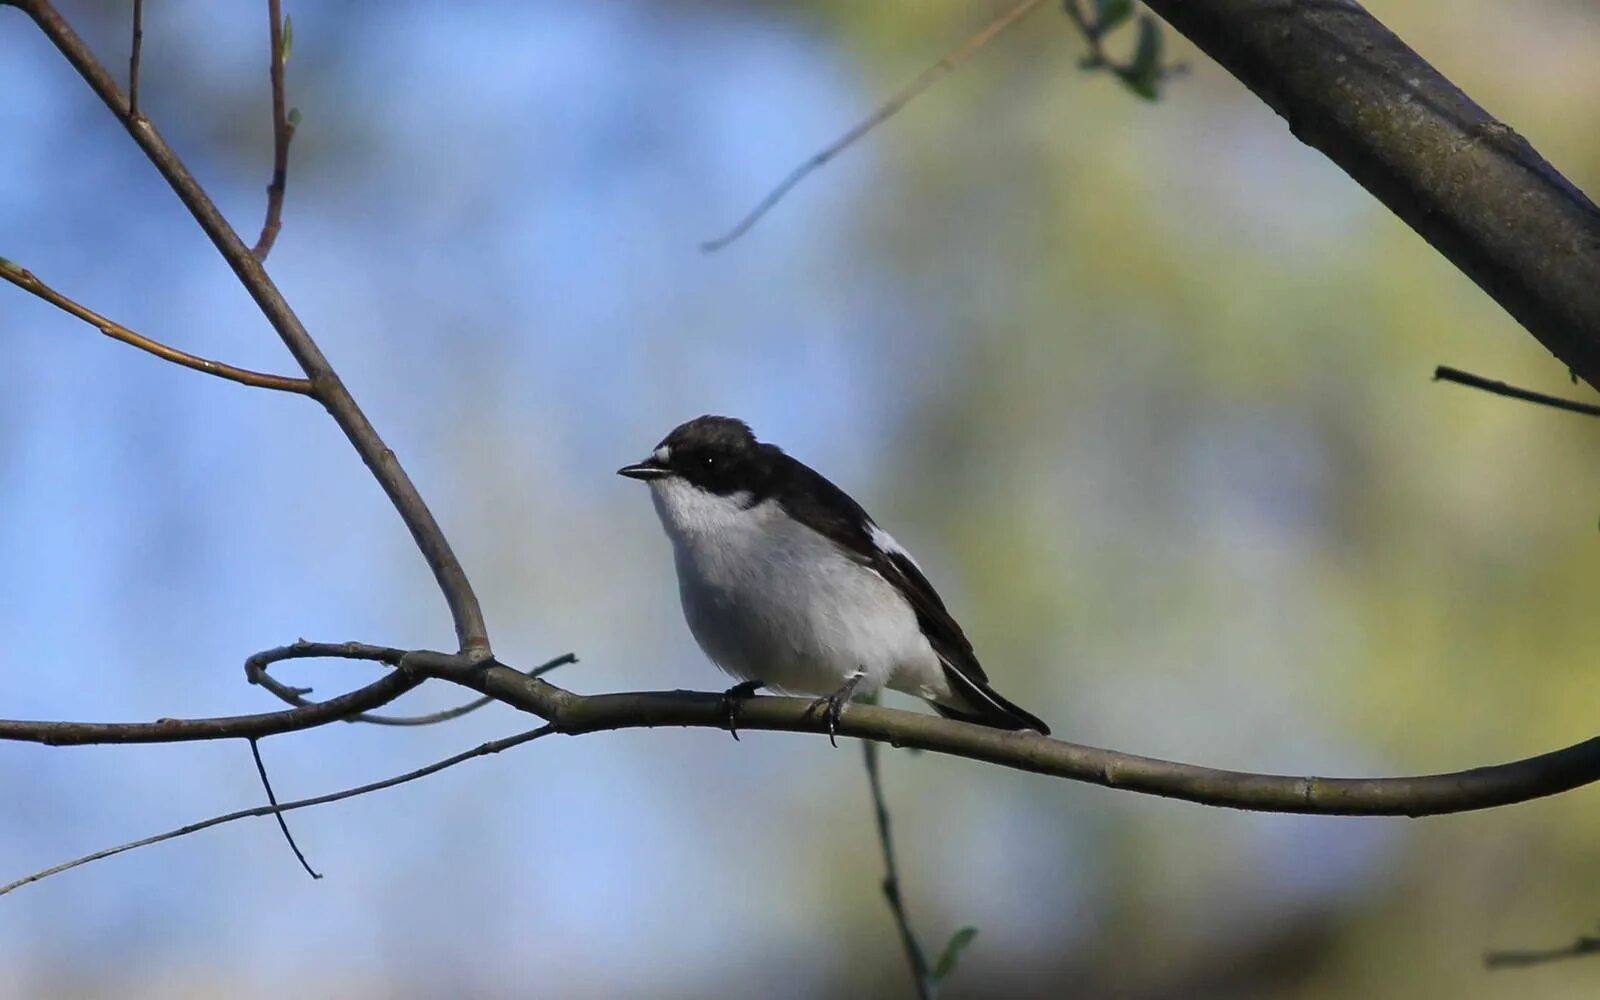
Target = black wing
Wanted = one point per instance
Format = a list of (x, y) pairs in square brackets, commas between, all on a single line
[(812, 500)]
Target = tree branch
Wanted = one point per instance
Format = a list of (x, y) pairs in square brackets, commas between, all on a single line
[(28, 282), (888, 109), (483, 749), (1445, 374), (272, 800), (282, 135), (1467, 183), (374, 695), (134, 54), (1584, 945), (467, 615), (257, 674), (1424, 795), (891, 877)]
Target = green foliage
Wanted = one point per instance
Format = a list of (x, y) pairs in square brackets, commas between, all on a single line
[(1145, 72), (951, 955), (1110, 14)]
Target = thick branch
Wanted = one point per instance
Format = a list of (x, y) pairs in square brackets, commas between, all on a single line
[(1425, 795), (471, 632), (1467, 183)]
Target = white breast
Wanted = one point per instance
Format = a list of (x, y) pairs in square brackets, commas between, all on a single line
[(770, 599)]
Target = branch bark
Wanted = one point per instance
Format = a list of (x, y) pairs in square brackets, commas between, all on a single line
[(1423, 795), (1466, 182)]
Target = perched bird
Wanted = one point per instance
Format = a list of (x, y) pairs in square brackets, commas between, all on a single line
[(787, 583)]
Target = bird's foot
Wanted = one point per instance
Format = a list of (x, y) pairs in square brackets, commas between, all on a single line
[(731, 698), (832, 706)]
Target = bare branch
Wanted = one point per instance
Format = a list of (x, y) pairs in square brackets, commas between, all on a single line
[(378, 693), (28, 282), (282, 135), (482, 750), (471, 632), (1584, 945), (1444, 374), (1424, 795), (60, 734), (133, 58), (295, 696), (272, 799), (888, 109), (891, 877)]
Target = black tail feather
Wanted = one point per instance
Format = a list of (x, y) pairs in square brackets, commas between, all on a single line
[(987, 707)]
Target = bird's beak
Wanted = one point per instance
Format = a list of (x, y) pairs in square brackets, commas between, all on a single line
[(646, 470)]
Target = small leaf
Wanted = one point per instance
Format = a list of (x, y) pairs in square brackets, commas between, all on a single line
[(288, 39), (1142, 75), (952, 952), (293, 118), (1109, 14)]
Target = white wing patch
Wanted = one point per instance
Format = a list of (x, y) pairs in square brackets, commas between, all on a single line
[(886, 543)]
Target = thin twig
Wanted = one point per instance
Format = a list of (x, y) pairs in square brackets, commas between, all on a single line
[(133, 58), (272, 799), (295, 696), (282, 135), (1584, 945), (891, 877), (28, 282), (955, 57), (483, 749), (1444, 374)]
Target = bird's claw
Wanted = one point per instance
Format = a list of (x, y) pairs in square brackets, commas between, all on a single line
[(731, 699), (832, 707)]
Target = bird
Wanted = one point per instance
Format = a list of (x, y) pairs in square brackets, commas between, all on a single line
[(788, 584)]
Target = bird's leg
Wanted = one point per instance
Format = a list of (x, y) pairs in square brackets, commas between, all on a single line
[(736, 694), (832, 706)]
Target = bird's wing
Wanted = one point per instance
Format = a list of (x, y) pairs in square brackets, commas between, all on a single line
[(808, 497)]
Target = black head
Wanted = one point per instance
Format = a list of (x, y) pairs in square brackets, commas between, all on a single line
[(717, 454)]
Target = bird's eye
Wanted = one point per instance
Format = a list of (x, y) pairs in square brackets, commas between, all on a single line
[(709, 461)]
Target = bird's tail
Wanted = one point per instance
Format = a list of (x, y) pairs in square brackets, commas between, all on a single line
[(985, 706)]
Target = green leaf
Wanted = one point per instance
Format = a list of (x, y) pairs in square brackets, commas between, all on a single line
[(1109, 14), (1142, 75), (293, 117), (952, 952), (288, 39)]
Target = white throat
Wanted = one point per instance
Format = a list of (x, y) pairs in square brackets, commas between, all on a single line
[(690, 514)]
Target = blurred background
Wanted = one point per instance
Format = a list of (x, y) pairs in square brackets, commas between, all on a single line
[(1146, 387)]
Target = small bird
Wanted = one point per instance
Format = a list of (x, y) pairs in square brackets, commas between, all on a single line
[(788, 584)]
